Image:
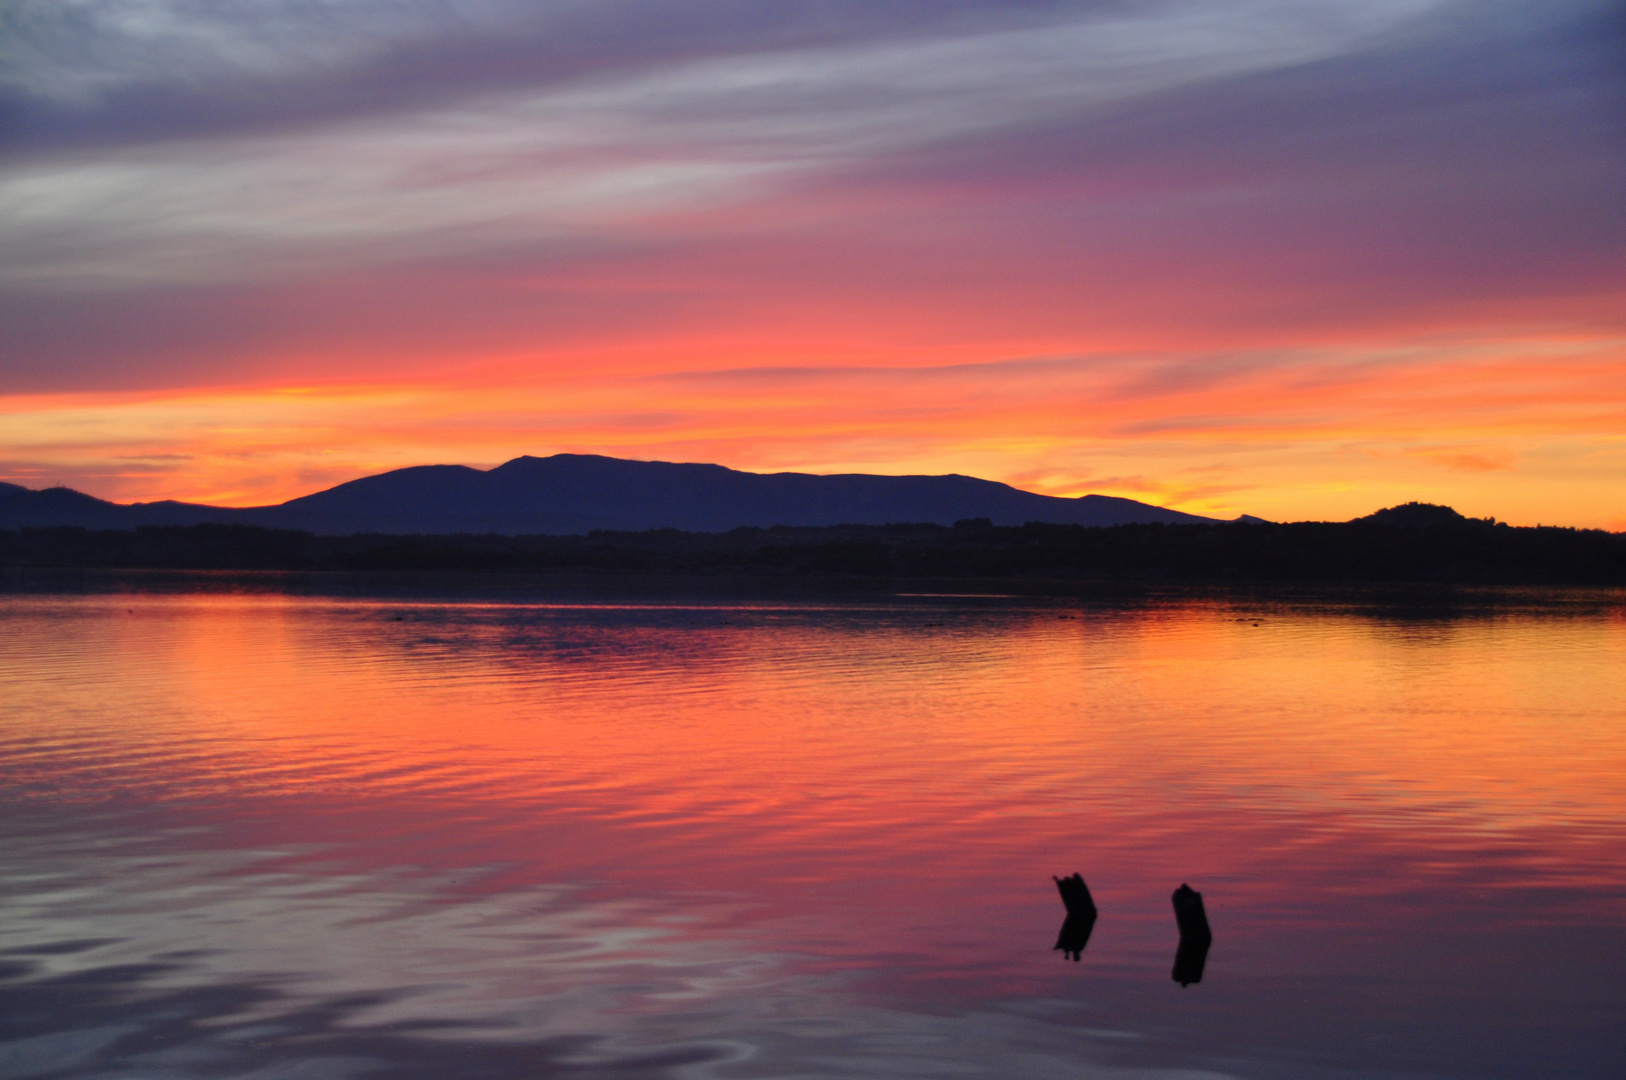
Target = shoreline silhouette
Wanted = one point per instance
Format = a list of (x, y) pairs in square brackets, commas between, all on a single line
[(1438, 551)]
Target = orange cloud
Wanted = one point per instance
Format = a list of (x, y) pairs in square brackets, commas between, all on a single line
[(1466, 459)]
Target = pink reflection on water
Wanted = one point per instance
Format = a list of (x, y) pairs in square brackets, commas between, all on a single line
[(877, 793)]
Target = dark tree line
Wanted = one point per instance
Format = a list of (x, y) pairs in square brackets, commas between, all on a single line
[(1404, 544)]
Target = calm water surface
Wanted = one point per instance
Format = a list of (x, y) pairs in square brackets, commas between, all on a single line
[(262, 834)]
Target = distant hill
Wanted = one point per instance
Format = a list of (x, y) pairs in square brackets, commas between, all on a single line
[(1416, 515), (570, 494)]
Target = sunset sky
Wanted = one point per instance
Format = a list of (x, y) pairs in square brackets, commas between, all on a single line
[(1293, 258)]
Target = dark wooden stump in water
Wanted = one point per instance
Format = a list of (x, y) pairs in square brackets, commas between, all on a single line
[(1195, 936), (1081, 914), (1076, 895), (1190, 916)]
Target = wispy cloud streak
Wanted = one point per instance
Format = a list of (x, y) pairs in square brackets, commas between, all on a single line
[(574, 163)]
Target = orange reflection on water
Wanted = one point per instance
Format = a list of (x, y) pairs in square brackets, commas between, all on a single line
[(938, 721), (868, 795)]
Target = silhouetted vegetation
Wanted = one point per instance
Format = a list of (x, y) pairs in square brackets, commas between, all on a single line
[(1403, 544)]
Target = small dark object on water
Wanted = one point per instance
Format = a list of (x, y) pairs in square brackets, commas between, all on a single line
[(1189, 959), (1195, 936), (1076, 895), (1081, 915), (1189, 915)]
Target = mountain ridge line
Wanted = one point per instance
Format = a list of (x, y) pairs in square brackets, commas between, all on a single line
[(572, 494)]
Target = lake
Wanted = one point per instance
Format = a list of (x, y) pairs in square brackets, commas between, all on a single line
[(279, 827)]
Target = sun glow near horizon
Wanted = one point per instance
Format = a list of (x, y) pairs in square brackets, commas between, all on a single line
[(1262, 438)]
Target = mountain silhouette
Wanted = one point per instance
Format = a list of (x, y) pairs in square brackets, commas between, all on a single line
[(570, 494), (1418, 515)]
